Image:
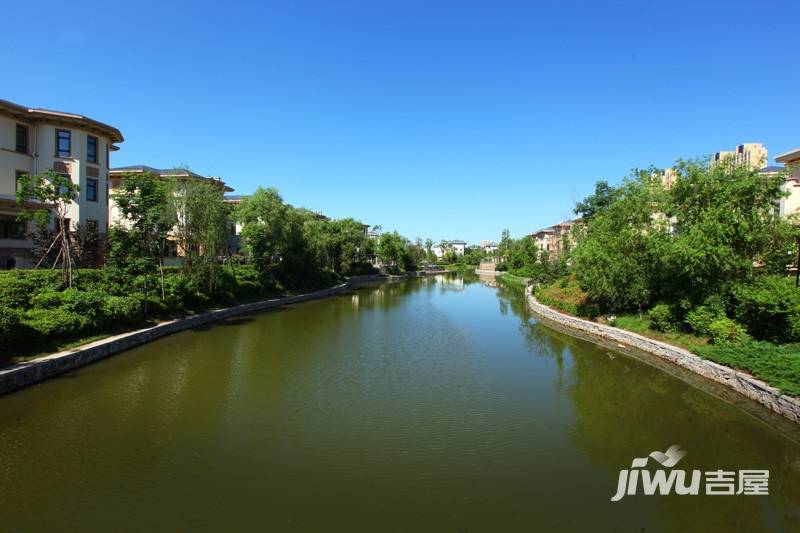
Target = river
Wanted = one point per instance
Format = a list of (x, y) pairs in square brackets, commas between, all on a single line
[(436, 404)]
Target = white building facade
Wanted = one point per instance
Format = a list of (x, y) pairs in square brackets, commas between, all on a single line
[(35, 140)]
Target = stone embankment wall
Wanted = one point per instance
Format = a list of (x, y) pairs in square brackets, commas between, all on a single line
[(741, 382), (42, 368)]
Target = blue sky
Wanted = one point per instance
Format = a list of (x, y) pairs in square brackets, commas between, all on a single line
[(449, 119)]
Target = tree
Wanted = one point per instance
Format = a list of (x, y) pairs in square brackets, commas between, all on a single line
[(619, 261), (137, 241), (725, 227), (394, 253), (200, 230), (263, 216), (41, 196), (89, 246), (604, 195)]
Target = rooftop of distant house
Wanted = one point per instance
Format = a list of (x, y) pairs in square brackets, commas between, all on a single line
[(787, 157), (166, 173), (38, 114)]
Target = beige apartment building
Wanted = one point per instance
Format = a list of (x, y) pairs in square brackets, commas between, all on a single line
[(117, 176), (791, 204), (33, 140), (753, 155), (551, 240)]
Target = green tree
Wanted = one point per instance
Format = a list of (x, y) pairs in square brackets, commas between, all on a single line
[(137, 241), (619, 261), (393, 251), (41, 197), (604, 195), (200, 229), (89, 246), (263, 216), (725, 225)]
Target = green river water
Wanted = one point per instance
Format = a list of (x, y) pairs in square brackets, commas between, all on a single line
[(437, 404)]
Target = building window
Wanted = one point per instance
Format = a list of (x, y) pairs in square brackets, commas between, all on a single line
[(63, 143), (108, 156), (22, 138), (11, 228), (91, 189), (17, 176), (91, 149)]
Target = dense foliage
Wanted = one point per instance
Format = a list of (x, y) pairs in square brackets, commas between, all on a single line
[(708, 255), (286, 249)]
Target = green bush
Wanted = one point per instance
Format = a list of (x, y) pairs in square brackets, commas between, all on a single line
[(362, 269), (17, 287), (54, 322), (86, 304), (10, 333), (700, 318), (769, 308), (726, 331), (123, 309), (662, 318), (570, 299), (47, 299)]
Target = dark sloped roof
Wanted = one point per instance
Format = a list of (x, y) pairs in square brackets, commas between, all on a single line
[(771, 168)]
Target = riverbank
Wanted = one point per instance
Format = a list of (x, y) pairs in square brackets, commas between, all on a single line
[(741, 382), (39, 369)]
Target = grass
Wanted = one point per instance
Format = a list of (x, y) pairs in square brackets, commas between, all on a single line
[(505, 277), (777, 364), (459, 267), (642, 326)]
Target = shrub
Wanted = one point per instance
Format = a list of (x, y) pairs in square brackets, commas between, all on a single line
[(9, 327), (662, 318), (700, 318), (54, 322), (48, 299), (17, 287), (86, 304), (726, 331), (501, 267), (362, 269), (123, 309), (769, 307), (570, 299)]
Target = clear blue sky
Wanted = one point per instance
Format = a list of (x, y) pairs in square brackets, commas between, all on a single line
[(439, 119)]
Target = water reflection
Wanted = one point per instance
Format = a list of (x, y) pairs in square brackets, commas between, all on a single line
[(437, 404), (625, 408)]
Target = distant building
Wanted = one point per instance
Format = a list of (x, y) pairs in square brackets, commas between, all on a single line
[(488, 247), (791, 160), (75, 146), (551, 240), (668, 177), (752, 155), (457, 247), (117, 176)]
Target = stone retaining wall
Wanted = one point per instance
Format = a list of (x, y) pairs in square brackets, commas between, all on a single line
[(42, 368), (741, 382)]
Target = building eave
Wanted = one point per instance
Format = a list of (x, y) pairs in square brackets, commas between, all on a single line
[(60, 118), (791, 155)]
